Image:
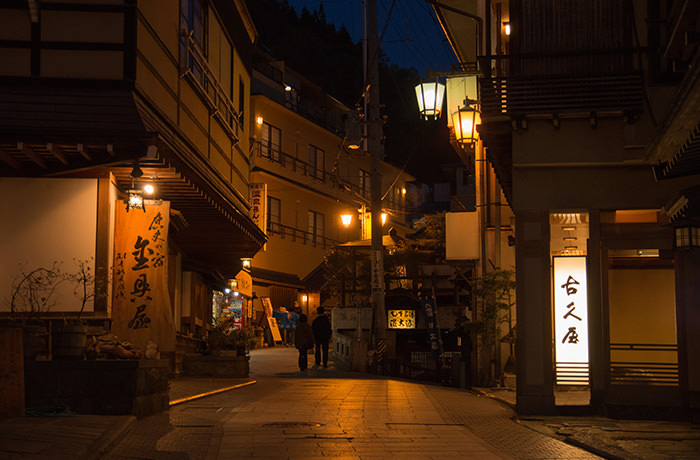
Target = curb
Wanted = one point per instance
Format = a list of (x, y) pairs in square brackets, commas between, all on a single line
[(481, 392), (209, 393), (109, 439)]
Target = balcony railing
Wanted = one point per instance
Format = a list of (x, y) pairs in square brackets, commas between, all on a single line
[(304, 237), (305, 169), (194, 65), (644, 364)]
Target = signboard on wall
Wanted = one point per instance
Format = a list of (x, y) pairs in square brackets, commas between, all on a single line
[(258, 205), (571, 319), (245, 283), (401, 319), (271, 321), (461, 236), (141, 309)]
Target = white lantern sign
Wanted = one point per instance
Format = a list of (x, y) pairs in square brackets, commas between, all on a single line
[(571, 320)]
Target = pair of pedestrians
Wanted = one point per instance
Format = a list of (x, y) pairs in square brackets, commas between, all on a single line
[(318, 334)]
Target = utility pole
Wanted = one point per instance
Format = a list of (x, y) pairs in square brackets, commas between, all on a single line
[(376, 150)]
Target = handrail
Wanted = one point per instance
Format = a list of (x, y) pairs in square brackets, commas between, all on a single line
[(297, 234), (288, 161), (206, 82)]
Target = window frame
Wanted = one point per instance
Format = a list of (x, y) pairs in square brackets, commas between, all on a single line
[(274, 221), (316, 154), (315, 226), (267, 145)]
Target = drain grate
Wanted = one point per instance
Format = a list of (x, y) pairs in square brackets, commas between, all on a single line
[(292, 425)]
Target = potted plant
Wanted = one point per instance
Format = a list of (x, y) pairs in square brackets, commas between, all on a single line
[(69, 336), (225, 337), (32, 294), (226, 354)]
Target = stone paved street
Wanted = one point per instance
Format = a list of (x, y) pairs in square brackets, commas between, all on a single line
[(326, 413)]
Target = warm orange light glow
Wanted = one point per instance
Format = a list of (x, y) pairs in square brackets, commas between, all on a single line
[(465, 121), (403, 190), (259, 120), (304, 298), (148, 189), (384, 218), (346, 219), (507, 27)]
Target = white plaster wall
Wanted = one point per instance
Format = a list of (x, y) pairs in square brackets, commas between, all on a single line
[(45, 220)]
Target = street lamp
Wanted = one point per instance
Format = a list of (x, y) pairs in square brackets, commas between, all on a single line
[(465, 120), (687, 234), (134, 200), (346, 219), (430, 96)]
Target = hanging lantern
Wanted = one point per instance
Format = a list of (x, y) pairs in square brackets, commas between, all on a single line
[(687, 233), (135, 200), (430, 96), (465, 121), (457, 89)]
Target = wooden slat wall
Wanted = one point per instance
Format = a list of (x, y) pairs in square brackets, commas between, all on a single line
[(565, 37)]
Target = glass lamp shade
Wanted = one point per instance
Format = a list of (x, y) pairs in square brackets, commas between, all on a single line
[(430, 96), (346, 219), (135, 201), (464, 121)]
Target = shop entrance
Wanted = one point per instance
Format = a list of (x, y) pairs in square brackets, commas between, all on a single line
[(642, 315)]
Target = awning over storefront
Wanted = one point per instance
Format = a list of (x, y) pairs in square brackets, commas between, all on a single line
[(103, 131), (675, 151)]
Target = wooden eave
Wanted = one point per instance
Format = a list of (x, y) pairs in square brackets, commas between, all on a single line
[(95, 131), (675, 150)]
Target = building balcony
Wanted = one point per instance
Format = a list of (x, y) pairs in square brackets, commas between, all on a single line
[(301, 236), (293, 169), (195, 68)]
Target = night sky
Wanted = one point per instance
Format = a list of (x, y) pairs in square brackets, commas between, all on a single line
[(413, 36)]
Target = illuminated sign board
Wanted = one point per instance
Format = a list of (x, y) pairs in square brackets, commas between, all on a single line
[(571, 320), (402, 319)]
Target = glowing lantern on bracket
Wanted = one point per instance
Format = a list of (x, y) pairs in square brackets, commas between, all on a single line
[(465, 121), (430, 96)]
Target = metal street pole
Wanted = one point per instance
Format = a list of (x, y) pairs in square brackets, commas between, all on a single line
[(376, 150)]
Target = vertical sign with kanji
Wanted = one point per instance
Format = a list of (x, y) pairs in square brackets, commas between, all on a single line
[(571, 319), (431, 325), (258, 205), (141, 309)]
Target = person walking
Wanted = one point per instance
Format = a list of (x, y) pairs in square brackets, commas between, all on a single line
[(303, 340), (293, 321), (322, 334)]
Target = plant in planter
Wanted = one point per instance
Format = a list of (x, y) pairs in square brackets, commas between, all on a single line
[(224, 336), (70, 335)]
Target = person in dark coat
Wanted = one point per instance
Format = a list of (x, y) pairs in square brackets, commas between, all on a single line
[(465, 350), (303, 340), (322, 334)]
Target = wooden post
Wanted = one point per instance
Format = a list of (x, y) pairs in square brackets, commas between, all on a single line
[(11, 372)]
